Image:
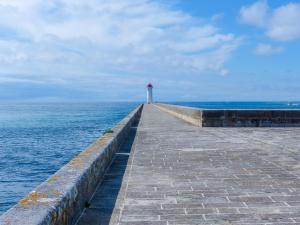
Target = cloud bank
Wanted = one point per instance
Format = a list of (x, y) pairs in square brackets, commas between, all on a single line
[(280, 24), (65, 41)]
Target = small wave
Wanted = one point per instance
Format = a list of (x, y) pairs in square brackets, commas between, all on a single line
[(293, 104)]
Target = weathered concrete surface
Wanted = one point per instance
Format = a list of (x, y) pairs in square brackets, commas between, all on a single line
[(106, 203), (188, 114), (181, 174), (61, 199), (234, 117), (251, 118)]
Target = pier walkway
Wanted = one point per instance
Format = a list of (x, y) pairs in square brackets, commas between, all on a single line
[(170, 172)]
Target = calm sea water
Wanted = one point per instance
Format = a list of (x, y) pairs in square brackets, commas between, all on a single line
[(38, 139), (241, 105)]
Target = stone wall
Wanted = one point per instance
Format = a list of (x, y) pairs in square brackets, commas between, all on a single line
[(61, 199), (190, 115), (234, 118)]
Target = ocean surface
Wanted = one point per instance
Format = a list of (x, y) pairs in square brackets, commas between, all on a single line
[(38, 139), (241, 105)]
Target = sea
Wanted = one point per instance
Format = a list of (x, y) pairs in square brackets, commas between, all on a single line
[(240, 105), (37, 139)]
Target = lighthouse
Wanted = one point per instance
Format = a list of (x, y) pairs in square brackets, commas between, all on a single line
[(149, 93)]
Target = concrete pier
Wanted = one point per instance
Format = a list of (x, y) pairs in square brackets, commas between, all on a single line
[(167, 171), (181, 174)]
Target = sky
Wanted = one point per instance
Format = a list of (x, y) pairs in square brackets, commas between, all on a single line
[(109, 50)]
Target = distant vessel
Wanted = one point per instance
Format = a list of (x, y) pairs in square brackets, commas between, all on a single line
[(149, 93)]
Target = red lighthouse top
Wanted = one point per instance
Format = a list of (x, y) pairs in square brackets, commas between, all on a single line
[(150, 85)]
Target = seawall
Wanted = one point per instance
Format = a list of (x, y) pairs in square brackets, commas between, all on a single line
[(234, 117), (62, 197)]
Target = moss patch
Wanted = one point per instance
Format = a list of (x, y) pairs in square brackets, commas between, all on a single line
[(109, 131)]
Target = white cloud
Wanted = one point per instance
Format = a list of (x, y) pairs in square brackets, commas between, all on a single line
[(224, 72), (281, 24), (267, 49), (285, 23), (255, 14), (62, 37)]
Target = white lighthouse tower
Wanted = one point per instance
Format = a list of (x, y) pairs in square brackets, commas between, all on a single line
[(149, 93)]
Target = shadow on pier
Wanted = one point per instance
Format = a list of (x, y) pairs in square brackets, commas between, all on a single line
[(104, 207)]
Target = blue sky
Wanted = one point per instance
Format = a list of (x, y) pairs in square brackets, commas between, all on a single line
[(191, 50)]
